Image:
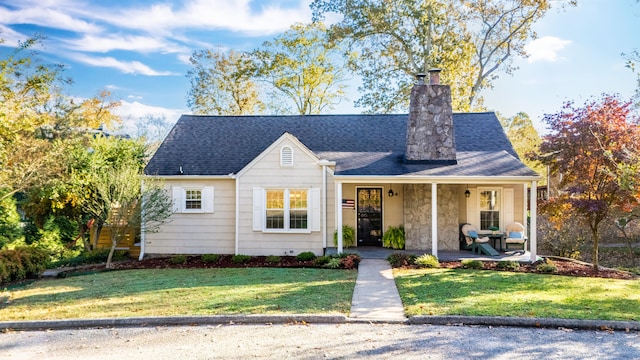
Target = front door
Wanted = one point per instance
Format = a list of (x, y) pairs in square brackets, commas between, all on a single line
[(369, 207)]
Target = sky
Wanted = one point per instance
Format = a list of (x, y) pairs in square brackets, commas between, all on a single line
[(140, 49)]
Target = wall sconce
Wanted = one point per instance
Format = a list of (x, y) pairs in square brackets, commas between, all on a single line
[(391, 193), (467, 193)]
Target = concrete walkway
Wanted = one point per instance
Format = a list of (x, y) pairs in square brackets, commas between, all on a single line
[(375, 297)]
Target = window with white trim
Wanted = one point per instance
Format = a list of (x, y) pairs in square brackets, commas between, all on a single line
[(490, 205), (286, 209), (286, 156), (193, 199)]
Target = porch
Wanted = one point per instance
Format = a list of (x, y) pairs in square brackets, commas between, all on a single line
[(373, 252)]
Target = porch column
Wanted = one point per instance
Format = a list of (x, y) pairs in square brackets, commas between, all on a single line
[(533, 243), (434, 219), (339, 214)]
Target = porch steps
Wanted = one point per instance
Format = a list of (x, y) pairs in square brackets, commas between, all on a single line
[(486, 249)]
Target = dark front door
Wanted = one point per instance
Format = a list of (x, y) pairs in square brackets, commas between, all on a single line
[(369, 217)]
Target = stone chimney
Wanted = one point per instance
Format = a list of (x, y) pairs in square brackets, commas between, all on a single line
[(430, 137)]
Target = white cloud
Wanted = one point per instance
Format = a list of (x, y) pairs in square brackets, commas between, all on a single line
[(127, 67), (11, 38), (545, 48), (56, 15), (145, 44), (133, 115)]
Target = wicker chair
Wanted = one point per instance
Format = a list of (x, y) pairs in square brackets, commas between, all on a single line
[(515, 236), (470, 237)]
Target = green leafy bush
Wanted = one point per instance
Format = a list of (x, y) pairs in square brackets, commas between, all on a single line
[(321, 260), (547, 267), (394, 237), (472, 264), (348, 236), (210, 258), (306, 256), (334, 263), (21, 263), (178, 259), (401, 259), (240, 259), (427, 261), (508, 265), (273, 259)]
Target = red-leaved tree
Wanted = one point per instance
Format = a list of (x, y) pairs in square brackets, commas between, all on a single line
[(586, 148)]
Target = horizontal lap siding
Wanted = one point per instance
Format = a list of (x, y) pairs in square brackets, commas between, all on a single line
[(267, 173), (198, 233)]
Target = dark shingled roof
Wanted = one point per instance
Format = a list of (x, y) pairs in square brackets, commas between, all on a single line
[(360, 144)]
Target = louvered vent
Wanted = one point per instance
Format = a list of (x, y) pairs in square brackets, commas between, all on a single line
[(286, 156)]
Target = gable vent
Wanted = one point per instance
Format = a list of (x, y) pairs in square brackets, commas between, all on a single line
[(286, 156)]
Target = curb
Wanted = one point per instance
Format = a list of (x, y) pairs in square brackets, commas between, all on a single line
[(526, 322), (604, 325)]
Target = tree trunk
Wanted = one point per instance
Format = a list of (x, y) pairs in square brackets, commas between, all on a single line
[(596, 242), (114, 243)]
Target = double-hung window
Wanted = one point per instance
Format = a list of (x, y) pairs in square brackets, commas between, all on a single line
[(192, 199), (286, 209), (490, 204)]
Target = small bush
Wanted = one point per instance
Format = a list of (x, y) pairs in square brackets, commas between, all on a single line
[(401, 259), (240, 259), (547, 267), (22, 263), (210, 258), (321, 260), (427, 261), (350, 262), (472, 264), (508, 265), (178, 259), (306, 256), (334, 263), (393, 237), (273, 259)]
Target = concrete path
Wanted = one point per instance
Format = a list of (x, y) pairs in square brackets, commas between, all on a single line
[(375, 297)]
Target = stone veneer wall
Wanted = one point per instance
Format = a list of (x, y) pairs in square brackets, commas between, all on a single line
[(417, 223), (430, 127)]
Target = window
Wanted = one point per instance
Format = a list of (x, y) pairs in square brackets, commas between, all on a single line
[(193, 200), (490, 203), (286, 209), (286, 156)]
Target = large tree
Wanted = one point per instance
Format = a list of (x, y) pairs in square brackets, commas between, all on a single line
[(525, 139), (587, 145), (303, 67), (222, 84), (472, 41)]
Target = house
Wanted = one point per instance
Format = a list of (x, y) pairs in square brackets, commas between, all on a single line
[(281, 185)]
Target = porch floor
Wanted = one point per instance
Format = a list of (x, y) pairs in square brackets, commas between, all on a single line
[(372, 252)]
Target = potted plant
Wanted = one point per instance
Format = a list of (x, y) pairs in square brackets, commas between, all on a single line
[(348, 236), (494, 229), (393, 237)]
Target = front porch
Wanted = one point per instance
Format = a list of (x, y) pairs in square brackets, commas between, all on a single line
[(373, 252)]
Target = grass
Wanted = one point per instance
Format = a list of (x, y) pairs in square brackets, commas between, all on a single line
[(498, 293), (171, 292)]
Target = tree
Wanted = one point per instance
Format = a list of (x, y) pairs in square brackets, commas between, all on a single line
[(588, 143), (221, 84), (472, 41), (524, 137), (633, 60), (302, 65)]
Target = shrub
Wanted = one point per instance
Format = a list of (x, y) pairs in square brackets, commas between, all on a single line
[(321, 260), (547, 267), (348, 236), (427, 261), (22, 263), (240, 259), (508, 265), (210, 258), (178, 259), (401, 259), (472, 264), (350, 262), (306, 256), (334, 263), (273, 259), (394, 237)]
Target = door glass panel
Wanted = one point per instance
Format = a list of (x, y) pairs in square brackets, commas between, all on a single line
[(369, 230)]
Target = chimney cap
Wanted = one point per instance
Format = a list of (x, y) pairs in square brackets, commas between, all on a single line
[(420, 77), (434, 70)]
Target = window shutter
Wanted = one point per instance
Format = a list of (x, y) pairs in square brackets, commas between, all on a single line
[(314, 209), (507, 202), (177, 192), (473, 214), (286, 156), (258, 208), (207, 198)]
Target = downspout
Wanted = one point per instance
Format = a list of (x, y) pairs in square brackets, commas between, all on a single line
[(324, 206), (434, 219), (142, 223), (237, 225), (533, 241)]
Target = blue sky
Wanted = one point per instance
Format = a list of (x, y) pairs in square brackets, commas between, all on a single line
[(139, 49)]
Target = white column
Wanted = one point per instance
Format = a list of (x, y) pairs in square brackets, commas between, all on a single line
[(324, 206), (237, 225), (339, 214), (434, 219), (525, 209), (533, 243)]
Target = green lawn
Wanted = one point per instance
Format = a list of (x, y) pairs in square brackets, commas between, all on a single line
[(170, 292), (499, 293)]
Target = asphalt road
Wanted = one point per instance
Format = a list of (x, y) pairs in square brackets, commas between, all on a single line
[(330, 341)]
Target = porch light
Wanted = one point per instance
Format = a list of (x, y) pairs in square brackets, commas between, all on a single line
[(467, 193), (391, 193)]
